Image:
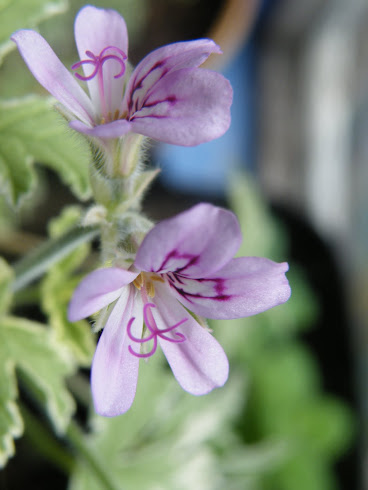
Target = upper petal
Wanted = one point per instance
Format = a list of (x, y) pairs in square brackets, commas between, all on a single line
[(114, 372), (94, 30), (186, 107), (97, 290), (161, 62), (195, 243), (199, 363), (52, 74), (246, 286)]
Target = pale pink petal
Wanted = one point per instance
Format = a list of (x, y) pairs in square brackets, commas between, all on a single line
[(162, 61), (114, 372), (111, 130), (186, 107), (199, 363), (94, 30), (195, 243), (52, 74), (246, 286), (98, 289)]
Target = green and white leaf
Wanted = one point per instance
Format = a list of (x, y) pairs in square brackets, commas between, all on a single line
[(6, 278), (23, 14), (58, 287), (134, 450), (43, 365), (32, 132)]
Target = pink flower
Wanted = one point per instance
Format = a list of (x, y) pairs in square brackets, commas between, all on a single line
[(167, 97), (184, 263)]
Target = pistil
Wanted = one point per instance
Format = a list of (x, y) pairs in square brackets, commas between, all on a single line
[(155, 332), (97, 62)]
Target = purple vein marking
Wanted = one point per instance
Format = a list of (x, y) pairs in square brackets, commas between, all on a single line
[(174, 254), (137, 85), (171, 99), (219, 288)]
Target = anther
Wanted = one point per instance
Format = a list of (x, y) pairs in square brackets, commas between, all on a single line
[(150, 289), (155, 277), (139, 281)]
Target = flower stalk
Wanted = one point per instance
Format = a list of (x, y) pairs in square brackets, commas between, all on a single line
[(37, 262)]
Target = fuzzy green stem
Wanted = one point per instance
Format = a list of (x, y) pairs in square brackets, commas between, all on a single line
[(36, 263)]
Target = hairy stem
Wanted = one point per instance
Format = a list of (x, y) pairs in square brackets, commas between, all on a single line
[(37, 262)]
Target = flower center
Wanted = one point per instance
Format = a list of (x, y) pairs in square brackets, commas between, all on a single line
[(154, 332), (98, 61), (146, 280)]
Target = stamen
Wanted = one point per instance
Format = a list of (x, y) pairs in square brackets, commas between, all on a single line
[(139, 281), (150, 288), (157, 278), (155, 332)]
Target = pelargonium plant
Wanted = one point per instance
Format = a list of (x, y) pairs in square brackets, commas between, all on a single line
[(157, 283)]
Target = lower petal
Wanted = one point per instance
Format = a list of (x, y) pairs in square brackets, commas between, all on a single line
[(199, 364), (114, 373), (112, 130)]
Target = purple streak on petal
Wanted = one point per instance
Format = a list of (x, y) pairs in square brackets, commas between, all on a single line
[(163, 60), (187, 260), (96, 29), (170, 99), (199, 364), (112, 130), (52, 74), (214, 292), (114, 372), (205, 232), (98, 289), (249, 285)]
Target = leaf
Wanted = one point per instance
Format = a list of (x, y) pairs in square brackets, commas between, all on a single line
[(57, 289), (22, 14), (263, 235), (6, 278), (11, 423), (31, 348), (286, 403), (194, 428), (31, 131)]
